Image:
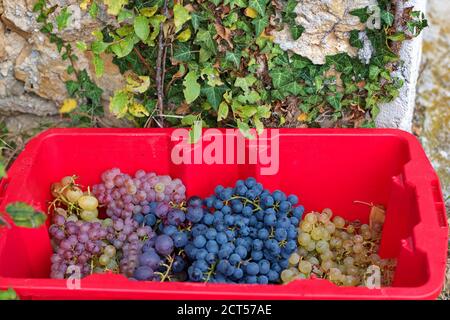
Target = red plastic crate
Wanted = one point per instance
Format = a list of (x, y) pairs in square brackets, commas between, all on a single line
[(324, 167)]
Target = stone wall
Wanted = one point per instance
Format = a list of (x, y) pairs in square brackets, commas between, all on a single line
[(32, 74)]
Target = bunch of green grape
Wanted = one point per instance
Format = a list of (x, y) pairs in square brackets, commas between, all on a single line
[(335, 249)]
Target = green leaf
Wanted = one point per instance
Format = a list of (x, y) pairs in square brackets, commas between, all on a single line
[(259, 6), (233, 57), (99, 65), (142, 27), (119, 103), (196, 131), (258, 125), (245, 83), (245, 129), (335, 101), (398, 36), (181, 15), (260, 24), (196, 19), (72, 87), (387, 17), (93, 10), (9, 294), (354, 39), (374, 71), (280, 77), (63, 18), (205, 37), (24, 215), (296, 31), (124, 46), (341, 61), (191, 86), (2, 170), (98, 47), (182, 52), (124, 15), (361, 13), (214, 95), (222, 113)]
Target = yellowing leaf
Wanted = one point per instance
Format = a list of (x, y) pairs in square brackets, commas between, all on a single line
[(68, 105), (251, 13), (84, 4), (180, 16), (118, 104), (184, 35), (138, 110), (137, 84), (114, 6), (149, 12), (302, 117)]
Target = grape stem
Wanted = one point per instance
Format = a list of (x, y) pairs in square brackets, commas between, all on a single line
[(210, 272), (166, 275), (247, 201)]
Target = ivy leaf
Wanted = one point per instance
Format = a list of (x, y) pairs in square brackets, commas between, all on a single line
[(196, 131), (354, 39), (259, 6), (214, 94), (341, 61), (184, 35), (68, 106), (63, 18), (191, 86), (118, 104), (124, 46), (182, 52), (361, 13), (149, 11), (24, 215), (72, 87), (206, 37), (81, 45), (233, 57), (398, 36), (138, 110), (296, 31), (335, 101), (114, 6), (222, 113), (280, 77), (245, 129), (245, 83), (142, 27), (137, 84), (260, 24), (181, 15), (99, 65), (259, 126), (2, 170), (98, 47), (93, 10), (196, 19), (387, 17)]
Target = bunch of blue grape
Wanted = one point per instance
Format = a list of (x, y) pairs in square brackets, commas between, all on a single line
[(244, 234)]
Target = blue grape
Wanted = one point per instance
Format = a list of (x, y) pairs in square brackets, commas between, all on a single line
[(264, 266), (180, 239), (195, 202), (250, 182), (230, 234), (237, 206), (273, 276), (241, 251), (263, 280), (201, 265), (293, 199), (209, 202), (178, 264), (263, 234), (211, 234), (164, 244), (241, 190), (143, 273), (285, 206), (234, 259), (208, 219), (170, 230), (201, 254), (199, 229), (150, 259), (280, 234), (229, 220), (257, 245), (226, 209), (139, 218), (195, 274), (211, 258), (270, 220), (222, 266), (221, 238), (176, 217), (212, 246), (150, 220), (218, 204), (251, 279), (278, 196), (194, 214), (257, 255), (238, 273), (199, 241), (268, 201), (218, 189)]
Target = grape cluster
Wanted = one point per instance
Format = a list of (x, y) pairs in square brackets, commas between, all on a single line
[(243, 234), (127, 201), (77, 243), (334, 249)]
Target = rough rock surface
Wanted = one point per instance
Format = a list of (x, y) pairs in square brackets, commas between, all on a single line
[(327, 25), (32, 73)]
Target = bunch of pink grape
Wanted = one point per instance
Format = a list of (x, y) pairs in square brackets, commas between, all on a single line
[(123, 195), (77, 244)]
